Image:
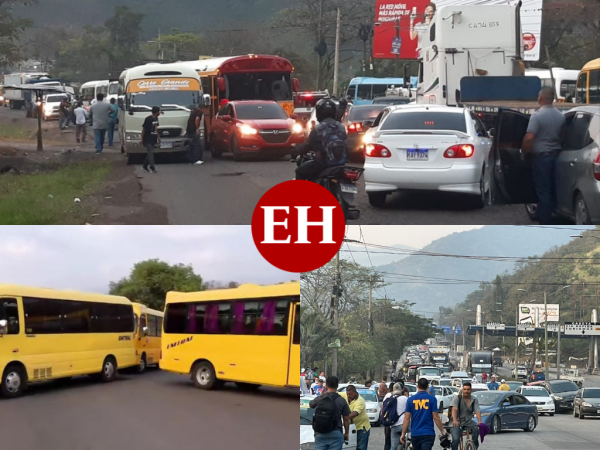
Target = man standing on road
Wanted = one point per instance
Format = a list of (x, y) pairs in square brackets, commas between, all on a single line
[(193, 133), (504, 386), (543, 141), (99, 115), (64, 113), (493, 385), (150, 138), (358, 416), (464, 407), (395, 432), (330, 409), (422, 410), (113, 115), (81, 116)]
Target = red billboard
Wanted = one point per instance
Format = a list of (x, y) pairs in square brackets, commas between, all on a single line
[(398, 25)]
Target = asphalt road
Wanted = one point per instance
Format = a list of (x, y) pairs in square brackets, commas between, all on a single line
[(560, 432), (153, 411)]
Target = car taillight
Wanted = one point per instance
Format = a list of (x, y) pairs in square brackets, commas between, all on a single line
[(596, 168), (460, 151), (377, 151), (350, 174), (355, 127)]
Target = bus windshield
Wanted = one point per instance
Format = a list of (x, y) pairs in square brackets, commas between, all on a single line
[(187, 99), (259, 86), (113, 89)]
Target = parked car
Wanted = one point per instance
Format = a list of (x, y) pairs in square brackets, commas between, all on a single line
[(563, 393), (577, 166), (502, 410), (498, 361), (373, 402), (251, 127), (307, 435), (538, 395), (429, 147), (444, 396), (520, 372), (587, 403)]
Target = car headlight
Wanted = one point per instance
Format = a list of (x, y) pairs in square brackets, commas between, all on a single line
[(556, 397), (549, 402), (297, 128), (247, 129), (371, 410), (485, 414), (133, 136), (307, 446), (587, 404)]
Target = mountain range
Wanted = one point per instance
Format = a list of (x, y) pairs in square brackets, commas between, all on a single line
[(488, 241)]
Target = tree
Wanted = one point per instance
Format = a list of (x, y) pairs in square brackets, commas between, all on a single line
[(10, 31), (150, 281), (315, 334), (85, 57), (213, 285), (125, 29)]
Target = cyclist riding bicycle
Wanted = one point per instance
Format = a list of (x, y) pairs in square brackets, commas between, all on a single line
[(464, 407)]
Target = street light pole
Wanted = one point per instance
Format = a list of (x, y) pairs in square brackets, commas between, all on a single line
[(547, 371), (370, 294), (334, 352), (517, 340)]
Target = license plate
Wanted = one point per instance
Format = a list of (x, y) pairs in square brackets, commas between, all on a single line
[(598, 411), (166, 145), (540, 407), (417, 154), (349, 188)]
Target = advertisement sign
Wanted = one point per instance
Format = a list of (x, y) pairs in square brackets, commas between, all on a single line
[(528, 313), (391, 13)]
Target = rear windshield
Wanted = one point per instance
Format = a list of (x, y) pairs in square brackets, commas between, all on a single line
[(564, 387), (358, 114), (410, 388), (260, 112), (425, 120), (534, 392), (487, 398), (392, 101), (591, 393)]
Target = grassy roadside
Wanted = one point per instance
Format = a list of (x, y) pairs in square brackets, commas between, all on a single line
[(48, 198), (14, 133)]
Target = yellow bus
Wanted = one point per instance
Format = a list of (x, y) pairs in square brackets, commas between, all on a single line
[(49, 334), (249, 335), (147, 336), (588, 83)]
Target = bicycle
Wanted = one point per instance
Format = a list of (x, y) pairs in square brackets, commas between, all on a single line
[(469, 444), (407, 442)]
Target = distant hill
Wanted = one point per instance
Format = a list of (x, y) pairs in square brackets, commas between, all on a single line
[(487, 241), (378, 259)]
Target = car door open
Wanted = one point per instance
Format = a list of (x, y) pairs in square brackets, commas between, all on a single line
[(513, 176)]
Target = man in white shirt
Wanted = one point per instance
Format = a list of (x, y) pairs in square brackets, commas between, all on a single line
[(401, 395), (81, 116)]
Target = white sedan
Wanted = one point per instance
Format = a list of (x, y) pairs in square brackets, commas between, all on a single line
[(444, 396), (373, 402), (307, 435), (428, 147), (538, 396)]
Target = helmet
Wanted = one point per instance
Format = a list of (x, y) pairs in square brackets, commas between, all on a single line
[(325, 108), (445, 442), (343, 101)]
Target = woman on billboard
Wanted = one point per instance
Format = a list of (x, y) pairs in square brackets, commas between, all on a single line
[(420, 27)]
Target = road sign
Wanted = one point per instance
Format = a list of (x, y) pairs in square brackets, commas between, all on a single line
[(525, 326), (582, 328), (554, 327), (335, 344), (446, 329), (495, 326), (457, 330)]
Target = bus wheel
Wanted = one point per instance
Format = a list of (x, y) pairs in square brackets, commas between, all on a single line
[(143, 364), (109, 370), (247, 386), (203, 374), (14, 382)]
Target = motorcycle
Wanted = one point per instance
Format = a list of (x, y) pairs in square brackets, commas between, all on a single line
[(341, 181)]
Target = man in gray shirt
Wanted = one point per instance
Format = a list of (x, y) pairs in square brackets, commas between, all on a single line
[(543, 141), (99, 113), (464, 407)]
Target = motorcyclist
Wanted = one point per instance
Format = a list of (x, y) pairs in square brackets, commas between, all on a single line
[(326, 112)]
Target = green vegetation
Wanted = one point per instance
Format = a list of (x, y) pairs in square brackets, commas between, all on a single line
[(48, 198), (14, 133)]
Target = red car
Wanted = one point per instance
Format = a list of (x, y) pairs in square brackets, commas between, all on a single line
[(251, 127)]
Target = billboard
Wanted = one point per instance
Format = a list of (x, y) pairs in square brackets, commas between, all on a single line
[(389, 39), (528, 311)]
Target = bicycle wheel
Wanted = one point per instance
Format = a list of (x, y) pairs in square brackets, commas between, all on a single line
[(470, 445)]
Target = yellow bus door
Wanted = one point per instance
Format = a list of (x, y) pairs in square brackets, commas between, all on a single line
[(294, 356)]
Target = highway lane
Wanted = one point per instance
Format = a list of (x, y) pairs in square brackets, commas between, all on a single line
[(153, 411)]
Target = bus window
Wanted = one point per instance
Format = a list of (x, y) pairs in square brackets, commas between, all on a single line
[(582, 88), (567, 87), (259, 86), (42, 316), (379, 90), (143, 323), (594, 91), (206, 85), (297, 326), (9, 311), (351, 92), (364, 92)]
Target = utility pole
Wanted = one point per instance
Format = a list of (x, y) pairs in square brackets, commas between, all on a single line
[(517, 340), (336, 298), (370, 295), (463, 333), (319, 58), (336, 64), (547, 371), (558, 354), (160, 51)]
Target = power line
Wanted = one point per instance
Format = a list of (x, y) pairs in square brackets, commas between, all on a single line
[(371, 262)]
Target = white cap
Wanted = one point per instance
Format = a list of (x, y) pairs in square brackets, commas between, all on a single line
[(322, 378), (302, 370), (503, 381)]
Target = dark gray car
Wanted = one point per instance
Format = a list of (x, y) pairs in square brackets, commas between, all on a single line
[(587, 403), (563, 393)]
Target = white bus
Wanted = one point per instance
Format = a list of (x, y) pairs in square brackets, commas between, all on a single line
[(565, 79), (175, 88)]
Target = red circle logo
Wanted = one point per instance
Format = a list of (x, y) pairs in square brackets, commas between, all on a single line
[(528, 41), (298, 226)]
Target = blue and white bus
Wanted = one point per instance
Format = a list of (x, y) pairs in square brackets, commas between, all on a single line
[(362, 91)]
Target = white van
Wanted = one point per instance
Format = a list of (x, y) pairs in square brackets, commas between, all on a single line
[(565, 79), (91, 89)]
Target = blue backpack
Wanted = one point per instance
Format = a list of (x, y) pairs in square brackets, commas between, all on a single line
[(389, 411), (333, 139)]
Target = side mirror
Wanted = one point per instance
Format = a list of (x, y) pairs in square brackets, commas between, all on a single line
[(492, 132), (3, 327), (145, 331), (226, 118), (206, 101)]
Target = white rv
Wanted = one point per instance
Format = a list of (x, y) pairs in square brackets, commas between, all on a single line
[(463, 41), (565, 80)]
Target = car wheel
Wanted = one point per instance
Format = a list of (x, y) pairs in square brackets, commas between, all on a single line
[(377, 199), (551, 414), (203, 374), (441, 407), (215, 152), (495, 428), (483, 199), (582, 216), (14, 382), (532, 211), (530, 424), (235, 149), (109, 370)]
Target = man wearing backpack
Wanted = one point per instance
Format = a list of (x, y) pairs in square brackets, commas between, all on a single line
[(393, 411), (422, 410), (358, 416), (330, 410), (464, 407), (327, 139)]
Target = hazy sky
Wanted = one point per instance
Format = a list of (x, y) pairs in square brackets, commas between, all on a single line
[(89, 257), (417, 236)]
